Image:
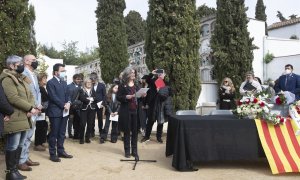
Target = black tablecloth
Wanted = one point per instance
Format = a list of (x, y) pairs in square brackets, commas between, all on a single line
[(193, 138)]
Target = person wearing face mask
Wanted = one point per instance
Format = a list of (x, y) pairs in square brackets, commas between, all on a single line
[(227, 94), (31, 64), (250, 86), (74, 119), (18, 93), (59, 104), (288, 82)]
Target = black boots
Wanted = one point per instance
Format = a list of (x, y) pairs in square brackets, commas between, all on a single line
[(12, 159)]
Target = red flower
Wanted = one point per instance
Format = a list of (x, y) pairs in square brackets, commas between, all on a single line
[(248, 101), (239, 102), (281, 120), (262, 104), (255, 100), (278, 101)]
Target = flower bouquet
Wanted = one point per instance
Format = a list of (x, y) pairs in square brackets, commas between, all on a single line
[(257, 107)]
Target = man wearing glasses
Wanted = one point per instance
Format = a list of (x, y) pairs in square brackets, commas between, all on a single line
[(288, 82)]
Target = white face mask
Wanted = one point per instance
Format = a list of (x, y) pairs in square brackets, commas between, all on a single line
[(62, 75), (288, 71)]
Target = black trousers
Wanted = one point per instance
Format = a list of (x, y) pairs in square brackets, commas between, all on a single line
[(74, 122), (40, 132), (149, 129), (133, 131), (100, 120), (86, 119), (114, 129)]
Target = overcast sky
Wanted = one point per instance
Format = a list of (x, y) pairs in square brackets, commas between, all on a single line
[(74, 20)]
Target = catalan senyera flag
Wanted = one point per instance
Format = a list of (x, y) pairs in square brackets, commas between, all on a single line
[(281, 145)]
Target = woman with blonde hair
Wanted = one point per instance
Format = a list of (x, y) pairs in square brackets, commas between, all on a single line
[(227, 94), (87, 96)]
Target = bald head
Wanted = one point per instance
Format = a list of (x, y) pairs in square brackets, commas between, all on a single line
[(30, 62)]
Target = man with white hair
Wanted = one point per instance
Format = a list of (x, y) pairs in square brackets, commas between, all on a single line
[(30, 64)]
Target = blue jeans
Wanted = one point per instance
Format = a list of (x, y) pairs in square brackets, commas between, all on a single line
[(15, 140), (25, 150)]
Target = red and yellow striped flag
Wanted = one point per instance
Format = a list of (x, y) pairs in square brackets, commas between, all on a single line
[(281, 146)]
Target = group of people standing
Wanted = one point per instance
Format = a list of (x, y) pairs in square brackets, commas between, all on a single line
[(26, 96), (288, 81)]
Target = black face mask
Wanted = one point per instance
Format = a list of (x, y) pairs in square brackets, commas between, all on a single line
[(20, 68), (34, 64)]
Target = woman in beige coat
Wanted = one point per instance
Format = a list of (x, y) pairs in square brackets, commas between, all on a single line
[(19, 96)]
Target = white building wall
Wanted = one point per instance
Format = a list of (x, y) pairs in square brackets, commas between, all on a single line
[(70, 71), (50, 62), (285, 32), (256, 29), (282, 47), (276, 67)]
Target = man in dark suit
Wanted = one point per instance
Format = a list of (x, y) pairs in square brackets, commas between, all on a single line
[(59, 104), (100, 96), (74, 118)]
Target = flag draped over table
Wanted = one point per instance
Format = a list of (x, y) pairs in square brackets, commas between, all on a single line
[(281, 145)]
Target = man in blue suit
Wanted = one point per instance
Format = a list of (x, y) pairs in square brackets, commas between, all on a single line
[(288, 82), (59, 104), (74, 118)]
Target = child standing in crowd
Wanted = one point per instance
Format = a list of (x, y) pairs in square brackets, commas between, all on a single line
[(111, 109)]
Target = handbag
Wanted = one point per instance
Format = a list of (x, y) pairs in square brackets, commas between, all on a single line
[(77, 104)]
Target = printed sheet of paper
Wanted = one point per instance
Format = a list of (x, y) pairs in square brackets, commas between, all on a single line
[(141, 92), (41, 117), (114, 118), (66, 113), (99, 104)]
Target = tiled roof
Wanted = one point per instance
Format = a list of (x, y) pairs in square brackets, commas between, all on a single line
[(284, 23)]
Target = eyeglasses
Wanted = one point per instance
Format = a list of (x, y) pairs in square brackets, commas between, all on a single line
[(225, 81)]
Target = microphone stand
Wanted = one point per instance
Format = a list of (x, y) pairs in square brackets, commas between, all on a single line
[(136, 157)]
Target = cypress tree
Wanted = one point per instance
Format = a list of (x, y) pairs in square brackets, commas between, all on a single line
[(135, 27), (232, 47), (112, 38), (172, 43), (260, 13), (17, 34)]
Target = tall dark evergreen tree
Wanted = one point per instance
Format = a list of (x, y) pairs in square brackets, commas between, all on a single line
[(17, 34), (232, 47), (135, 27), (172, 43), (112, 38), (204, 10), (260, 13)]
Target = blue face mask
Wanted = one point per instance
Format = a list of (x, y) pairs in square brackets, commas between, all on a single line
[(62, 75)]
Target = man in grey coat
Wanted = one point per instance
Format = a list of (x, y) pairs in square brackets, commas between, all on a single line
[(30, 64)]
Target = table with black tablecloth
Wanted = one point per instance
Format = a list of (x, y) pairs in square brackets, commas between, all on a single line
[(193, 138)]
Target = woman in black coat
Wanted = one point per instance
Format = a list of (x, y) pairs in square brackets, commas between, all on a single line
[(5, 109), (128, 111), (159, 101), (227, 94), (87, 96)]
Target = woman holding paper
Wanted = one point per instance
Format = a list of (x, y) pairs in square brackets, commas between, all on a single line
[(87, 96), (42, 125), (111, 111), (128, 111)]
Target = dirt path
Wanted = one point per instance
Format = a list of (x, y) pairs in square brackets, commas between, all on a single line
[(102, 161)]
